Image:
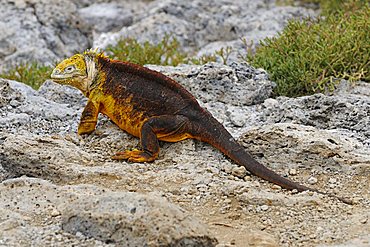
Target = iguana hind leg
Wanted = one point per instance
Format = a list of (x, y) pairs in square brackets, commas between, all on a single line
[(169, 128)]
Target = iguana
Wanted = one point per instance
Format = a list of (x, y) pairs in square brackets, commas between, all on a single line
[(153, 107)]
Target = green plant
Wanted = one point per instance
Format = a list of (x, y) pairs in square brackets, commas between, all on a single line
[(31, 73), (224, 53), (310, 55), (326, 6), (201, 60), (166, 52)]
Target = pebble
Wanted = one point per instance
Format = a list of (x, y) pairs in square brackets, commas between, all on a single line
[(227, 201), (293, 172), (239, 171), (264, 207), (79, 235), (276, 187), (54, 213), (312, 180), (269, 103), (363, 221)]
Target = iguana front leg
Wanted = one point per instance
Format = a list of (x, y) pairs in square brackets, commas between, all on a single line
[(170, 128), (89, 118)]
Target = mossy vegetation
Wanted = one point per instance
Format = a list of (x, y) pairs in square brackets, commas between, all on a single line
[(310, 56), (165, 52), (31, 73)]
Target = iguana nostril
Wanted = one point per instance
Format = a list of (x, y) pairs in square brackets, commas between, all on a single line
[(56, 71)]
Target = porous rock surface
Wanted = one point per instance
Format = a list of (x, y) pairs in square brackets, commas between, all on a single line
[(38, 139), (40, 30), (48, 30), (92, 216)]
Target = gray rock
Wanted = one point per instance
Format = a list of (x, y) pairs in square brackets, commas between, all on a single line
[(40, 30), (198, 23), (358, 88), (345, 112), (32, 112), (209, 83), (62, 94), (86, 214), (129, 219), (289, 145), (152, 28), (106, 17)]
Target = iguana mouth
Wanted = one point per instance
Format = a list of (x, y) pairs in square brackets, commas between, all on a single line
[(57, 76)]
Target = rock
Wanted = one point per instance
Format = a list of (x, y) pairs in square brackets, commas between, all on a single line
[(62, 94), (293, 172), (287, 143), (261, 199), (96, 213), (239, 171), (339, 112), (33, 113), (312, 180), (347, 88), (197, 24), (244, 83), (139, 220), (33, 31), (361, 241), (106, 17), (152, 28), (264, 207)]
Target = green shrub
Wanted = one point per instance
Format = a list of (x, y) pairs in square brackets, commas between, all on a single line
[(309, 56), (326, 6), (31, 73), (166, 52)]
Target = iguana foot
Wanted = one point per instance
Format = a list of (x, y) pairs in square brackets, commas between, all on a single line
[(135, 156)]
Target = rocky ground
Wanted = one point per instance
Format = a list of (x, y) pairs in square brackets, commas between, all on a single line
[(60, 189)]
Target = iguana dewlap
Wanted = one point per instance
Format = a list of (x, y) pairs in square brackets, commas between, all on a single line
[(151, 106)]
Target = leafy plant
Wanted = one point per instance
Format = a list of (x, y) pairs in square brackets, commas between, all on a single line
[(31, 73), (310, 55), (166, 52), (224, 53)]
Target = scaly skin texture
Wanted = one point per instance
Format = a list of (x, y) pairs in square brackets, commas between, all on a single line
[(153, 107)]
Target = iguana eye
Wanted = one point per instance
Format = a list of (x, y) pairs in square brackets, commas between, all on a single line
[(69, 68)]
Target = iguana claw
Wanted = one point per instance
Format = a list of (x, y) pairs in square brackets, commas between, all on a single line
[(134, 155)]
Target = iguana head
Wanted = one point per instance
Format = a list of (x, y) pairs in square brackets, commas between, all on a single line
[(78, 71)]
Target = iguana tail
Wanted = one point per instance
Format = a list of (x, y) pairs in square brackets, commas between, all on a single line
[(211, 131)]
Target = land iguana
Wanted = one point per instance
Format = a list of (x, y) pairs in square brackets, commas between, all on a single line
[(153, 107)]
